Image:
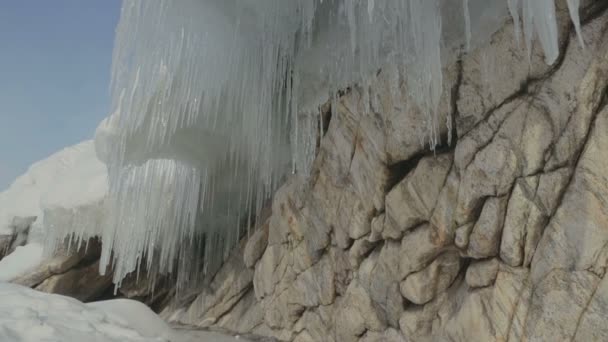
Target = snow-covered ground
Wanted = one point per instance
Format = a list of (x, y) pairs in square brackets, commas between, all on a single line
[(27, 315), (22, 260)]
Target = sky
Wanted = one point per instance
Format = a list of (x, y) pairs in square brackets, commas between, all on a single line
[(55, 60)]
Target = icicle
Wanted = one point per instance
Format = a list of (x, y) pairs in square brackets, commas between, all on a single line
[(467, 24), (514, 11), (528, 27), (546, 27), (539, 16), (573, 8), (352, 25)]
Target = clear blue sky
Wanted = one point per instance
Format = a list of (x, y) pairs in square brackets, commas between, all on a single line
[(55, 58)]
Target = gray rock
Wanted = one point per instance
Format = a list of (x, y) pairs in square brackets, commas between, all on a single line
[(555, 301), (421, 287), (379, 276), (443, 213), (244, 317), (228, 286), (494, 72), (377, 228), (401, 117), (416, 321), (461, 237), (5, 243), (520, 209), (592, 323), (368, 170), (62, 260), (482, 273), (484, 240), (313, 327), (412, 200), (255, 247), (359, 250), (267, 270), (389, 334), (314, 286), (84, 284), (490, 174), (484, 314), (575, 237), (357, 313), (418, 248)]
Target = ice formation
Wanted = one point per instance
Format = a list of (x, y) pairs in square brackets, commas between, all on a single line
[(214, 101)]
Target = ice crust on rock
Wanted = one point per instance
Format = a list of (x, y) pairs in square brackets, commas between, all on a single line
[(64, 195), (214, 101)]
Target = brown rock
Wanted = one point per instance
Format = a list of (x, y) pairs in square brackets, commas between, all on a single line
[(84, 283)]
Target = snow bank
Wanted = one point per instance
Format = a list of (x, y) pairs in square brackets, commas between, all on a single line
[(27, 315), (21, 261), (31, 316), (66, 192), (68, 179)]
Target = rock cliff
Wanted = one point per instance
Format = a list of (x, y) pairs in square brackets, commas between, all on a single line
[(500, 234)]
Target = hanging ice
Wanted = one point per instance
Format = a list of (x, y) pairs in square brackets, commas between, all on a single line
[(213, 100), (573, 8)]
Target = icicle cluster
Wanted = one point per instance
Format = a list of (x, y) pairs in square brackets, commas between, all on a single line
[(215, 99)]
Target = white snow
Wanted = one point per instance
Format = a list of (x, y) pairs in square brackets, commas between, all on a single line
[(66, 192), (135, 315), (69, 178), (22, 260), (30, 316)]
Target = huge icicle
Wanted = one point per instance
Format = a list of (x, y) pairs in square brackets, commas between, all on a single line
[(213, 100)]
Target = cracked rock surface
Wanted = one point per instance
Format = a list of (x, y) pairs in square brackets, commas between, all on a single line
[(500, 235)]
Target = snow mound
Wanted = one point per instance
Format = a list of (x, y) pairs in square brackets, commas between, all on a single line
[(31, 316), (21, 261), (65, 192), (27, 315), (68, 179)]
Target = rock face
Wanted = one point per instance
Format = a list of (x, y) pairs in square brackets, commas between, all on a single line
[(67, 265), (500, 235)]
